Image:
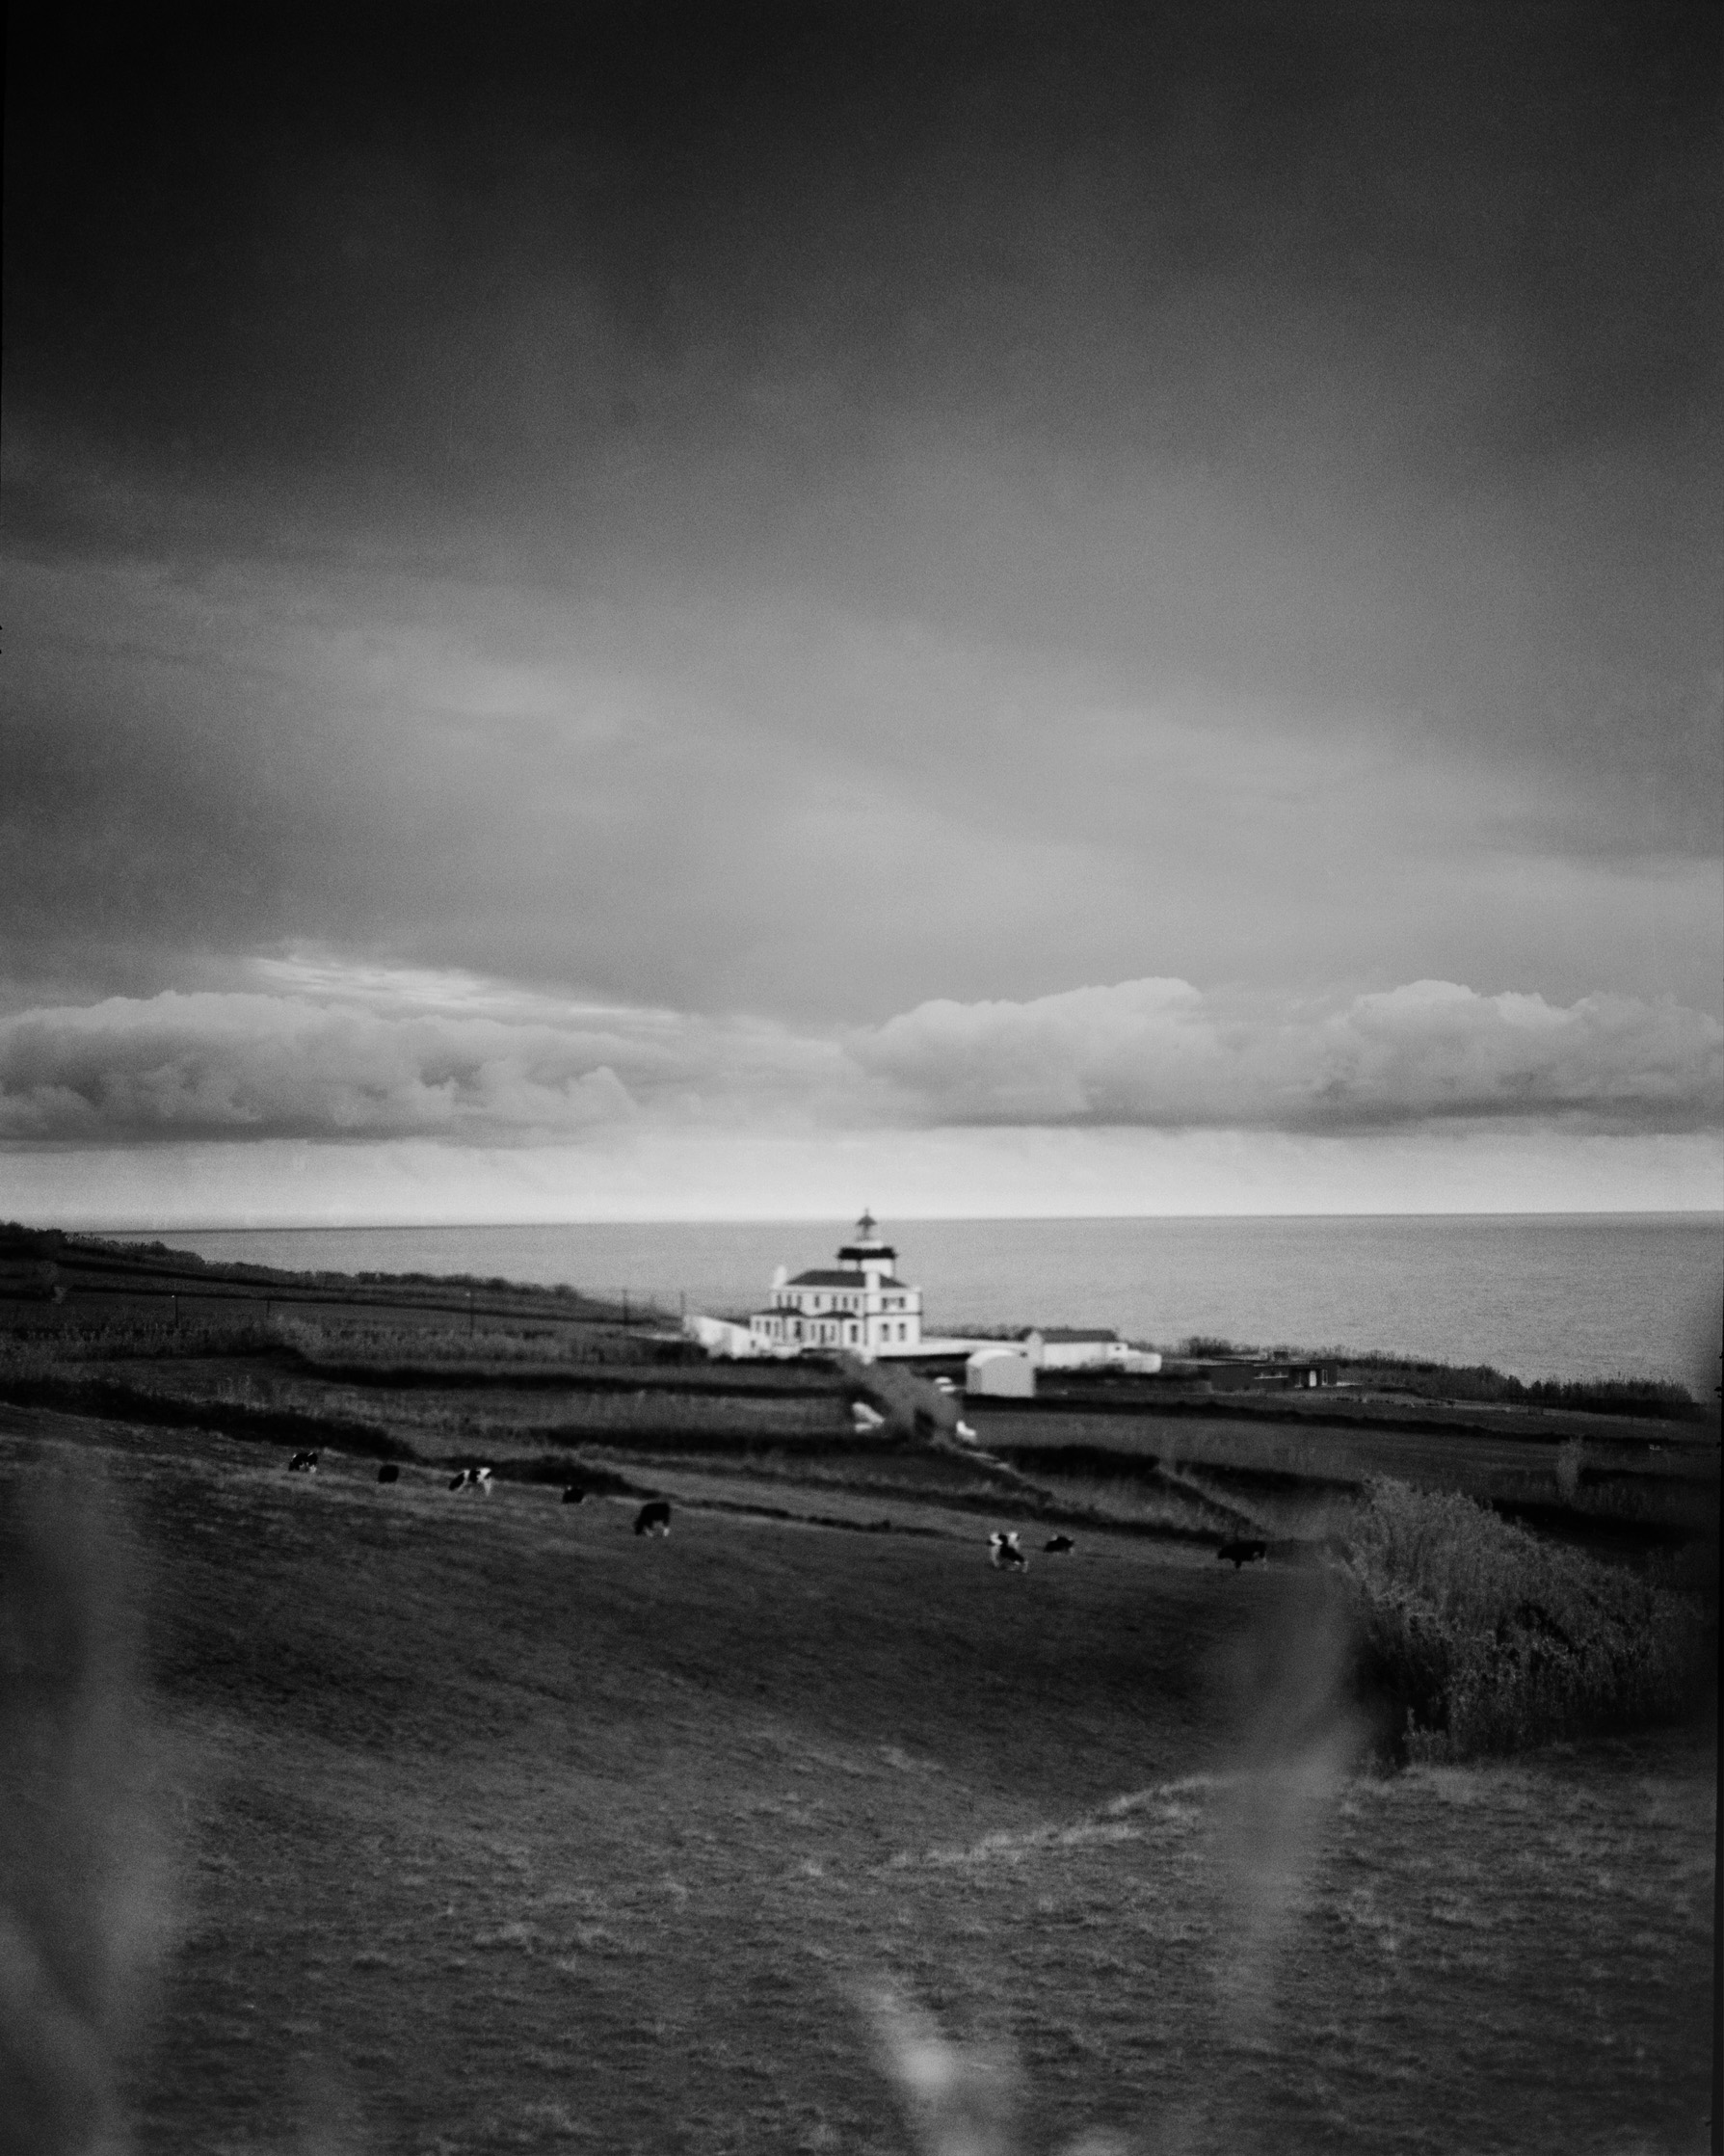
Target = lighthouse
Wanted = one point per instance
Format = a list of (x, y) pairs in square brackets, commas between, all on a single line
[(860, 1304)]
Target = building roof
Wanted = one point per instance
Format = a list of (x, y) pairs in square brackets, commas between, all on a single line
[(1071, 1332), (827, 1279)]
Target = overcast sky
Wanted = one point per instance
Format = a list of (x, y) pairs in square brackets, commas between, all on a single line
[(645, 609)]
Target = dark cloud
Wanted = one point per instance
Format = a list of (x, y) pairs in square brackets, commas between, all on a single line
[(575, 492)]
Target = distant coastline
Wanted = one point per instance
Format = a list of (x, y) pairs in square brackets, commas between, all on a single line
[(1539, 1297)]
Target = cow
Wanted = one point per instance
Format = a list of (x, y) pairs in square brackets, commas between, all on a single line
[(1059, 1545), (1006, 1556), (967, 1433), (866, 1419), (653, 1517), (1243, 1550), (573, 1493), (303, 1463), (472, 1479), (389, 1472)]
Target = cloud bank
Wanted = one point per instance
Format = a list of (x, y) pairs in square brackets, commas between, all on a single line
[(340, 1055), (1162, 1054)]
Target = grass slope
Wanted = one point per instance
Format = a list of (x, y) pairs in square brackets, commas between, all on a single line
[(494, 1827)]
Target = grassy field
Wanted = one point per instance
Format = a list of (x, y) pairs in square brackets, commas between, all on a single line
[(1644, 1493), (455, 1824)]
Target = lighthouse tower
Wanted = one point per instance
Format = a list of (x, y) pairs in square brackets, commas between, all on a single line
[(860, 1304)]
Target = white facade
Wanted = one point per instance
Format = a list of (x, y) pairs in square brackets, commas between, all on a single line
[(721, 1339), (860, 1304), (1006, 1373), (1067, 1347)]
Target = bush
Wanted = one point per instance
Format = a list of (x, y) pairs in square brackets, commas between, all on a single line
[(1481, 1637)]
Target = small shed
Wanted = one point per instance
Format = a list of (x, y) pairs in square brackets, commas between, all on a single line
[(1006, 1373)]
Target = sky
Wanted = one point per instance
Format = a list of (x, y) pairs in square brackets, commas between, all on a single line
[(644, 611)]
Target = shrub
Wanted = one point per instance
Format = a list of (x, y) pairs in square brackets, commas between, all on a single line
[(1483, 1638), (1571, 1458)]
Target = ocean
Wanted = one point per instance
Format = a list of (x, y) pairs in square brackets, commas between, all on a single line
[(1538, 1295)]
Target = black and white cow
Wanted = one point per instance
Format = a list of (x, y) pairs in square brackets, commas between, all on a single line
[(1058, 1545), (388, 1473), (473, 1479), (303, 1463), (1242, 1550), (1006, 1556), (653, 1517)]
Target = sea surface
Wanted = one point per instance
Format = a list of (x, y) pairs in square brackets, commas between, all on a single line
[(1537, 1295)]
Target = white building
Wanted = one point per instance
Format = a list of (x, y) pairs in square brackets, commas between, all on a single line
[(1005, 1372), (860, 1304), (721, 1339), (1076, 1348)]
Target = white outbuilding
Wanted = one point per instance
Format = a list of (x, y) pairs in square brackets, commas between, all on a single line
[(1001, 1373), (722, 1340), (1081, 1348)]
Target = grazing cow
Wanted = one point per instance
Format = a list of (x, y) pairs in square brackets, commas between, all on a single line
[(389, 1472), (574, 1494), (653, 1517), (303, 1463), (1059, 1545), (1243, 1550), (1007, 1556), (473, 1479)]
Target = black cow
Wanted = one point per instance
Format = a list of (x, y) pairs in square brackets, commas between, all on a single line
[(389, 1472), (1007, 1556), (303, 1463), (1058, 1545), (574, 1494), (1243, 1550), (653, 1517)]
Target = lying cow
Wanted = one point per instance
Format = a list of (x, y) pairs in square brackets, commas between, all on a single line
[(1243, 1550), (1059, 1545), (303, 1463), (653, 1517), (472, 1479), (389, 1472), (1007, 1556)]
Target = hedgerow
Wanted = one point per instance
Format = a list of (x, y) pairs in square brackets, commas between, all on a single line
[(1485, 1638)]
